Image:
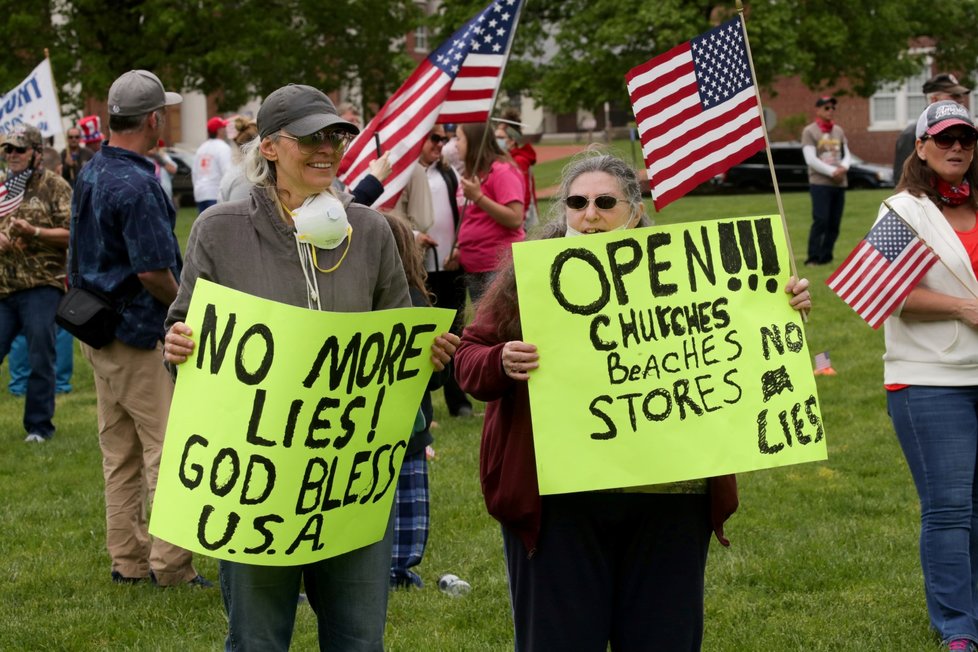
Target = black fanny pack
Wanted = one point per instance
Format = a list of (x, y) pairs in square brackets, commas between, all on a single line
[(88, 315)]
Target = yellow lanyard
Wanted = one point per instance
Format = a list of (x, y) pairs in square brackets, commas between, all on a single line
[(315, 262)]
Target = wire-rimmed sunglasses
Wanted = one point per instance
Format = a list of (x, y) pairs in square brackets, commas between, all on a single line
[(601, 202), (946, 141), (310, 144)]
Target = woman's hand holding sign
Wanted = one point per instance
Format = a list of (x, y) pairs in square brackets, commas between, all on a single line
[(177, 346), (518, 358)]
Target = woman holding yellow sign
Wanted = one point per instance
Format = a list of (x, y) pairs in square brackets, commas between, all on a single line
[(624, 566), (297, 242)]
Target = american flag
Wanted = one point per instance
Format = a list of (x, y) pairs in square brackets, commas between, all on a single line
[(455, 83), (882, 269), (12, 192), (696, 110)]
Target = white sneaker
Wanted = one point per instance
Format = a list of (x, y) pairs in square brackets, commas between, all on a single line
[(34, 437)]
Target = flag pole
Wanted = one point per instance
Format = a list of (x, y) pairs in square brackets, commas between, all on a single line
[(918, 236), (767, 142), (54, 84), (495, 92)]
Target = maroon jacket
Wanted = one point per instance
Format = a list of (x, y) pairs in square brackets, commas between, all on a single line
[(526, 157), (507, 466)]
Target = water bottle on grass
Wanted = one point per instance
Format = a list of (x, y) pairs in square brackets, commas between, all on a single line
[(453, 585)]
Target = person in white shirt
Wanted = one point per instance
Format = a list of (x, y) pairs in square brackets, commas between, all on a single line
[(444, 281), (212, 160)]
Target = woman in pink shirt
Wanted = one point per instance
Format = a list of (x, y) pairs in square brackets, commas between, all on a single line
[(492, 217)]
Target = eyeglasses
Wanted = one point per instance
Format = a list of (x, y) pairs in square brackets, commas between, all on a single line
[(601, 202), (829, 107), (8, 148), (71, 137), (438, 140), (946, 141), (310, 144)]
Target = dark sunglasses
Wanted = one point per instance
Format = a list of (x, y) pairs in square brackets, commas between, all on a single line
[(7, 148), (438, 140), (946, 141), (602, 202), (70, 137), (309, 144)]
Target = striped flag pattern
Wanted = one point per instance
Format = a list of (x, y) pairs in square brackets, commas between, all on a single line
[(697, 112), (456, 83), (882, 269), (12, 192)]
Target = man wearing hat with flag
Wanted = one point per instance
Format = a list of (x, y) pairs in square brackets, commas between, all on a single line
[(123, 246), (34, 217), (827, 155), (940, 87)]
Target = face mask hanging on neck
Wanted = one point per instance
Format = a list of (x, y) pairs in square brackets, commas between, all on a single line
[(321, 221)]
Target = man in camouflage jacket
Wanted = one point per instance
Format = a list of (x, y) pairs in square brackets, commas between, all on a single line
[(33, 249)]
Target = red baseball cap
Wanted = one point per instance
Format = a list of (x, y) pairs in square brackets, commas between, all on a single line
[(216, 123)]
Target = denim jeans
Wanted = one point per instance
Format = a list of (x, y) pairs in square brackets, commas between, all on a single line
[(938, 431), (20, 366), (348, 593), (32, 312), (828, 202)]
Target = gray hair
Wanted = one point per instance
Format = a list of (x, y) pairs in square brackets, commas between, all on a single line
[(595, 160), (258, 169)]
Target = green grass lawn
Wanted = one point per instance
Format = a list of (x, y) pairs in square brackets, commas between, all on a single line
[(823, 556)]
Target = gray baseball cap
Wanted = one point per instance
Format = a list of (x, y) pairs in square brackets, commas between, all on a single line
[(940, 115), (138, 92), (300, 110)]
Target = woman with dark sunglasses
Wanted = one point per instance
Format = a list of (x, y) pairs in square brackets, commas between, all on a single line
[(624, 567), (931, 366)]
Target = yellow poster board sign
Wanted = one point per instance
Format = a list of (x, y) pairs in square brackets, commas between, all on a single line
[(666, 353), (288, 427)]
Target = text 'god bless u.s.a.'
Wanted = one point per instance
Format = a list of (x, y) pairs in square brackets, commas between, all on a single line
[(288, 427)]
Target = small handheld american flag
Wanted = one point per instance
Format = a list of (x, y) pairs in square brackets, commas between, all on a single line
[(882, 269)]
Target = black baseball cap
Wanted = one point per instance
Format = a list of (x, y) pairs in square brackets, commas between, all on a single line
[(300, 110)]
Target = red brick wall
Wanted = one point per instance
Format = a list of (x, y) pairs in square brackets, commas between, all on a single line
[(794, 100)]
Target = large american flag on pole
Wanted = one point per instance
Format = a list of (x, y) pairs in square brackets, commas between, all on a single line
[(882, 269), (455, 83), (697, 111), (12, 192)]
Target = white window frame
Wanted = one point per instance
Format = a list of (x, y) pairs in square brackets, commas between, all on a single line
[(901, 93)]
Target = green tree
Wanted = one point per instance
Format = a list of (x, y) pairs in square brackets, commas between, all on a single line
[(235, 49), (571, 54)]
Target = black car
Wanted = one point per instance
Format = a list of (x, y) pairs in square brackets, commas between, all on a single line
[(789, 165), (183, 184)]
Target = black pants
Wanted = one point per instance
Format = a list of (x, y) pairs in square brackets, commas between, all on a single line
[(828, 202), (619, 568)]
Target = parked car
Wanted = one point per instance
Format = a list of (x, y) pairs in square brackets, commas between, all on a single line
[(183, 185), (789, 165)]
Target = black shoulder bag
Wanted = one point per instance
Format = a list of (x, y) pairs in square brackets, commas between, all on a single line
[(89, 315)]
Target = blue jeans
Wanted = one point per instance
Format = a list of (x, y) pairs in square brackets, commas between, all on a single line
[(20, 366), (938, 431), (348, 593), (828, 202), (204, 205), (32, 312)]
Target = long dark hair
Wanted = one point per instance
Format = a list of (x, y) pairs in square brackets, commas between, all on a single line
[(921, 181), (501, 299), (477, 162), (410, 253)]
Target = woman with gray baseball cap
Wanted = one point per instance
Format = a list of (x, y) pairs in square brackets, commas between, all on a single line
[(930, 368), (297, 241)]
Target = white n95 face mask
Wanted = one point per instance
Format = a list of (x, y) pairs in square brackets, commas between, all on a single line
[(321, 221)]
